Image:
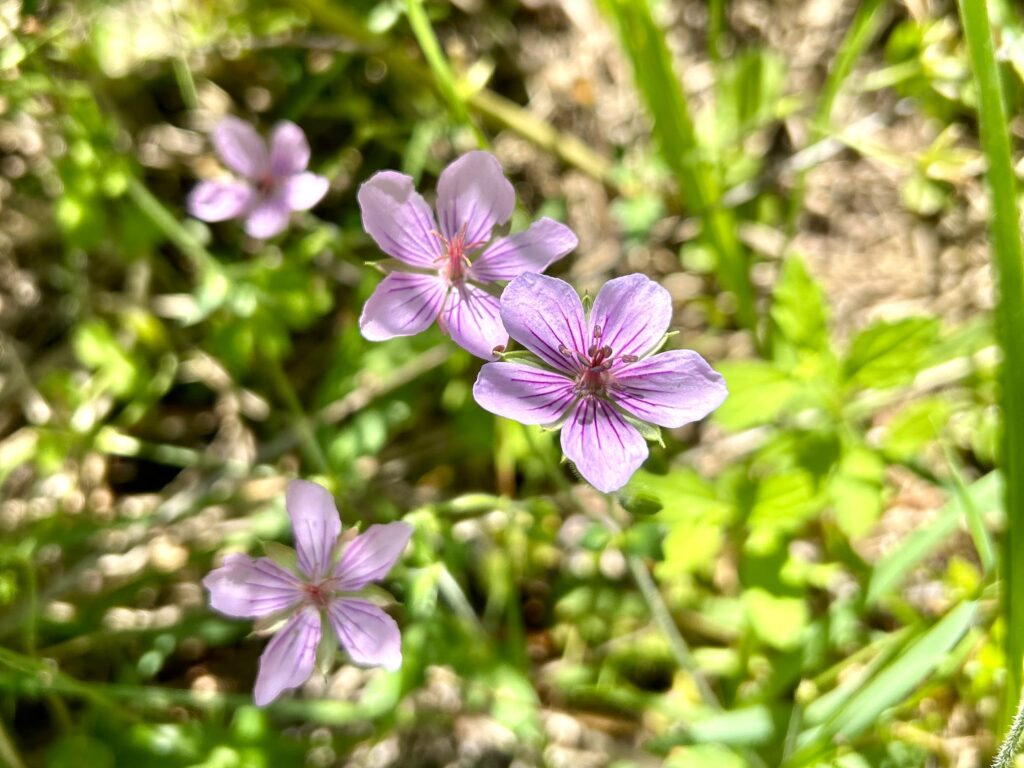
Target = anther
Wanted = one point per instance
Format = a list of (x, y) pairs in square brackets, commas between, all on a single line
[(629, 358)]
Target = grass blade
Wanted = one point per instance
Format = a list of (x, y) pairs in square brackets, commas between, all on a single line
[(1004, 227), (444, 78), (890, 571), (662, 93)]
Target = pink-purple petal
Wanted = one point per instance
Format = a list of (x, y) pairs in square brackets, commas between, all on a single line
[(289, 658), (403, 304), (399, 220), (473, 320), (316, 526), (303, 190), (371, 555), (473, 193), (523, 393), (545, 314), (368, 635), (534, 250), (289, 150), (669, 389), (268, 218), (241, 148), (633, 313), (245, 587), (217, 200), (605, 448)]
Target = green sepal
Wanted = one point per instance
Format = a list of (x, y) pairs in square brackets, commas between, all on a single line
[(524, 357), (284, 556), (326, 651), (649, 432), (376, 595), (588, 302)]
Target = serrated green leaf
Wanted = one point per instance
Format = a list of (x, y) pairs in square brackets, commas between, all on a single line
[(886, 354)]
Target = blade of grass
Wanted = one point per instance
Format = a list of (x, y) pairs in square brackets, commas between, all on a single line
[(864, 29), (890, 571), (890, 686), (442, 71), (661, 90), (1004, 227)]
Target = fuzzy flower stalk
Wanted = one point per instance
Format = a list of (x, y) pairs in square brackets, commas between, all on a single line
[(273, 179), (597, 375), (322, 587), (449, 270)]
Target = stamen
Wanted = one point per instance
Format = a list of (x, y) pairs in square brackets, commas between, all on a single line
[(565, 350), (597, 331), (629, 358)]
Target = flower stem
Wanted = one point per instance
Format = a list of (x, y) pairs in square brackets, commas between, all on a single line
[(304, 426), (1008, 750), (660, 613)]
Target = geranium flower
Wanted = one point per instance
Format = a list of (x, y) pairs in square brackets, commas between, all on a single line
[(274, 181), (439, 276), (244, 587), (596, 375)]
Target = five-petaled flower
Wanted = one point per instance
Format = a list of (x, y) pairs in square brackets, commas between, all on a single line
[(438, 278), (244, 587), (596, 374), (274, 180)]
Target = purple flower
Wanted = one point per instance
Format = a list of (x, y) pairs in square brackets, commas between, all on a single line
[(596, 375), (260, 588), (274, 181), (437, 278)]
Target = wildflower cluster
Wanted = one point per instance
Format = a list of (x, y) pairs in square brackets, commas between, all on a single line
[(594, 373)]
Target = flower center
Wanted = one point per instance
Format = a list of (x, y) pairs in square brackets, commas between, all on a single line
[(318, 594), (453, 260), (595, 376), (266, 184)]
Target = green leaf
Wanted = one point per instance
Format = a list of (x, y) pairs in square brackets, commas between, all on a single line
[(887, 354), (690, 546), (798, 308), (758, 393), (897, 680), (856, 491), (704, 756), (915, 426), (778, 621), (889, 572)]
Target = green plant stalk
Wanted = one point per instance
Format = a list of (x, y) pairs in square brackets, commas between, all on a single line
[(443, 75), (1007, 754), (172, 229), (660, 613), (866, 25), (1007, 257), (697, 178), (304, 427)]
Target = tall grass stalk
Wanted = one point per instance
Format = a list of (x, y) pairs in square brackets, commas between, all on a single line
[(1004, 228), (698, 179), (442, 71)]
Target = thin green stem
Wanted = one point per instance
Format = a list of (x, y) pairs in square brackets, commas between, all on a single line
[(660, 613), (304, 426), (8, 752), (438, 62), (1008, 751), (1007, 258), (172, 229)]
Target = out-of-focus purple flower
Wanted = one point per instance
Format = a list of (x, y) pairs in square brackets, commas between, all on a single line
[(439, 276), (274, 180), (318, 589), (596, 375)]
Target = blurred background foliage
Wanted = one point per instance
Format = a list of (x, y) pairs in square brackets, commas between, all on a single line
[(804, 177)]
